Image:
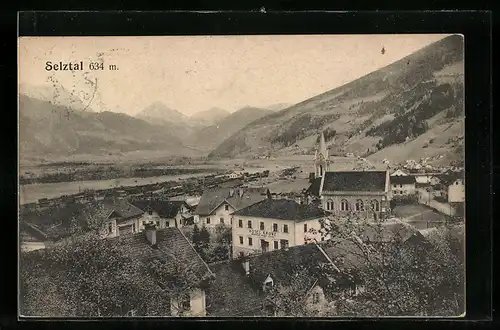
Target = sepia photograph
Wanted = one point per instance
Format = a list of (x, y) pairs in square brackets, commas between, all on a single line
[(310, 176)]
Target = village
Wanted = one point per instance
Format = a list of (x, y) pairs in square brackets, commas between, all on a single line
[(240, 244)]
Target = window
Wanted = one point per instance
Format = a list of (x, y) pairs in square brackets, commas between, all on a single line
[(400, 186), (133, 227), (185, 303), (344, 205), (250, 241), (241, 240), (167, 223), (208, 221), (394, 185), (110, 227), (329, 205), (275, 227), (240, 223), (375, 205), (226, 207), (221, 220), (158, 223), (285, 229), (276, 245), (322, 238), (284, 243), (242, 254), (150, 212), (261, 225), (359, 205), (315, 298), (305, 228), (249, 224)]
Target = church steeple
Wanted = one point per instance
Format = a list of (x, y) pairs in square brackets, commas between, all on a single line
[(321, 157), (322, 144)]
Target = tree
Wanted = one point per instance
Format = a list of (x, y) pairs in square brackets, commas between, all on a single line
[(86, 277), (400, 274)]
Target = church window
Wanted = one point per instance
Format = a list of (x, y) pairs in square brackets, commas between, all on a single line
[(329, 205), (344, 205), (375, 205), (359, 205), (321, 170)]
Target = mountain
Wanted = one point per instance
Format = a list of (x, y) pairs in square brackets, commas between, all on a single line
[(210, 137), (411, 108), (56, 95), (209, 117), (278, 106), (49, 130), (160, 113)]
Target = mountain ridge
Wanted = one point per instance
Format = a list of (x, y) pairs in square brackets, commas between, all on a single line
[(414, 86)]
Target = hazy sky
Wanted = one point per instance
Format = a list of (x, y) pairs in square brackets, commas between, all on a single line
[(192, 74)]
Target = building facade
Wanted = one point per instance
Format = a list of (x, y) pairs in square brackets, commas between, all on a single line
[(403, 185), (275, 224), (342, 192)]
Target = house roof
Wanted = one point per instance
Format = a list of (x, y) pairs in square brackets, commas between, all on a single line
[(165, 209), (400, 179), (231, 293), (284, 267), (213, 198), (370, 181), (314, 187), (102, 210), (171, 245), (284, 209)]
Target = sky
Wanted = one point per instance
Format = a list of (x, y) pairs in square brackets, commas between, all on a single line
[(196, 73)]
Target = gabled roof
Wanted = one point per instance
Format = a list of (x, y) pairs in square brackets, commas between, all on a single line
[(211, 199), (284, 266), (119, 208), (231, 294), (314, 187), (284, 209), (165, 209), (399, 179), (368, 181), (171, 244)]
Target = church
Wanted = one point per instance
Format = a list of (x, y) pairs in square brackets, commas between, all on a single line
[(366, 193)]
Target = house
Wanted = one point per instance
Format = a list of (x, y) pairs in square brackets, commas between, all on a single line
[(116, 216), (170, 245), (454, 186), (339, 192), (402, 185), (31, 237), (216, 205), (399, 172), (267, 284), (164, 213), (274, 224)]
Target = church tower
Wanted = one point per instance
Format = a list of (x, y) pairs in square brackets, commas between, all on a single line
[(321, 158)]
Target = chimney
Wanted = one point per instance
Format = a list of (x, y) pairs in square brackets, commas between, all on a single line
[(150, 230), (231, 192), (246, 266), (240, 192)]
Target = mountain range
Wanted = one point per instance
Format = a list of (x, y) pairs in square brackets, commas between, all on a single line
[(410, 109)]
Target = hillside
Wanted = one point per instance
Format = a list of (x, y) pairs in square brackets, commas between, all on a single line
[(210, 116), (410, 102), (210, 137), (47, 130), (55, 94)]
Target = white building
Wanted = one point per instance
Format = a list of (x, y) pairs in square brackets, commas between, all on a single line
[(274, 224)]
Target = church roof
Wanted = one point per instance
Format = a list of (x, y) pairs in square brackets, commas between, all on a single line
[(314, 187), (372, 181)]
